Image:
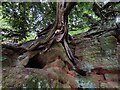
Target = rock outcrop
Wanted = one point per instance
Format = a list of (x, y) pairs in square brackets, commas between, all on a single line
[(99, 58)]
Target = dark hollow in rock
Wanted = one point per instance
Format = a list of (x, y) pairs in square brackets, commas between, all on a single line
[(35, 62)]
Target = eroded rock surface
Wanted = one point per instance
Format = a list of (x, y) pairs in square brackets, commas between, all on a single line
[(99, 58)]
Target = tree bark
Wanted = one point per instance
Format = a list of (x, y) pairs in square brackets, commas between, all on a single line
[(93, 54)]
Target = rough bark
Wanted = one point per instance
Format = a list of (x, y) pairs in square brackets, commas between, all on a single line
[(91, 58)]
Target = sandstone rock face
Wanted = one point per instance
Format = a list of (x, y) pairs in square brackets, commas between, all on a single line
[(98, 57), (51, 76), (54, 71)]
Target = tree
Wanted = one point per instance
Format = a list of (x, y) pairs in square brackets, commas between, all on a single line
[(58, 32), (55, 38)]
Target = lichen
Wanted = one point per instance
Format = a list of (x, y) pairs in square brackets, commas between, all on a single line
[(86, 82), (86, 66)]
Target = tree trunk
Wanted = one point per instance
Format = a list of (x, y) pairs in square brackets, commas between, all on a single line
[(89, 60)]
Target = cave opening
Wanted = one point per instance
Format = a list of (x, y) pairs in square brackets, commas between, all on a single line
[(35, 62)]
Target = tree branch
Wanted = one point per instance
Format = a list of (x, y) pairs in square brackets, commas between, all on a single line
[(69, 7)]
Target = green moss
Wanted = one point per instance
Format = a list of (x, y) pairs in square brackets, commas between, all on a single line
[(57, 46), (36, 82), (108, 45), (109, 85), (32, 82), (103, 85), (111, 42), (91, 53), (57, 84)]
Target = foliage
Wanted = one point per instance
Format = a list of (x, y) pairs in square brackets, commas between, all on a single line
[(20, 21), (26, 18), (82, 18)]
